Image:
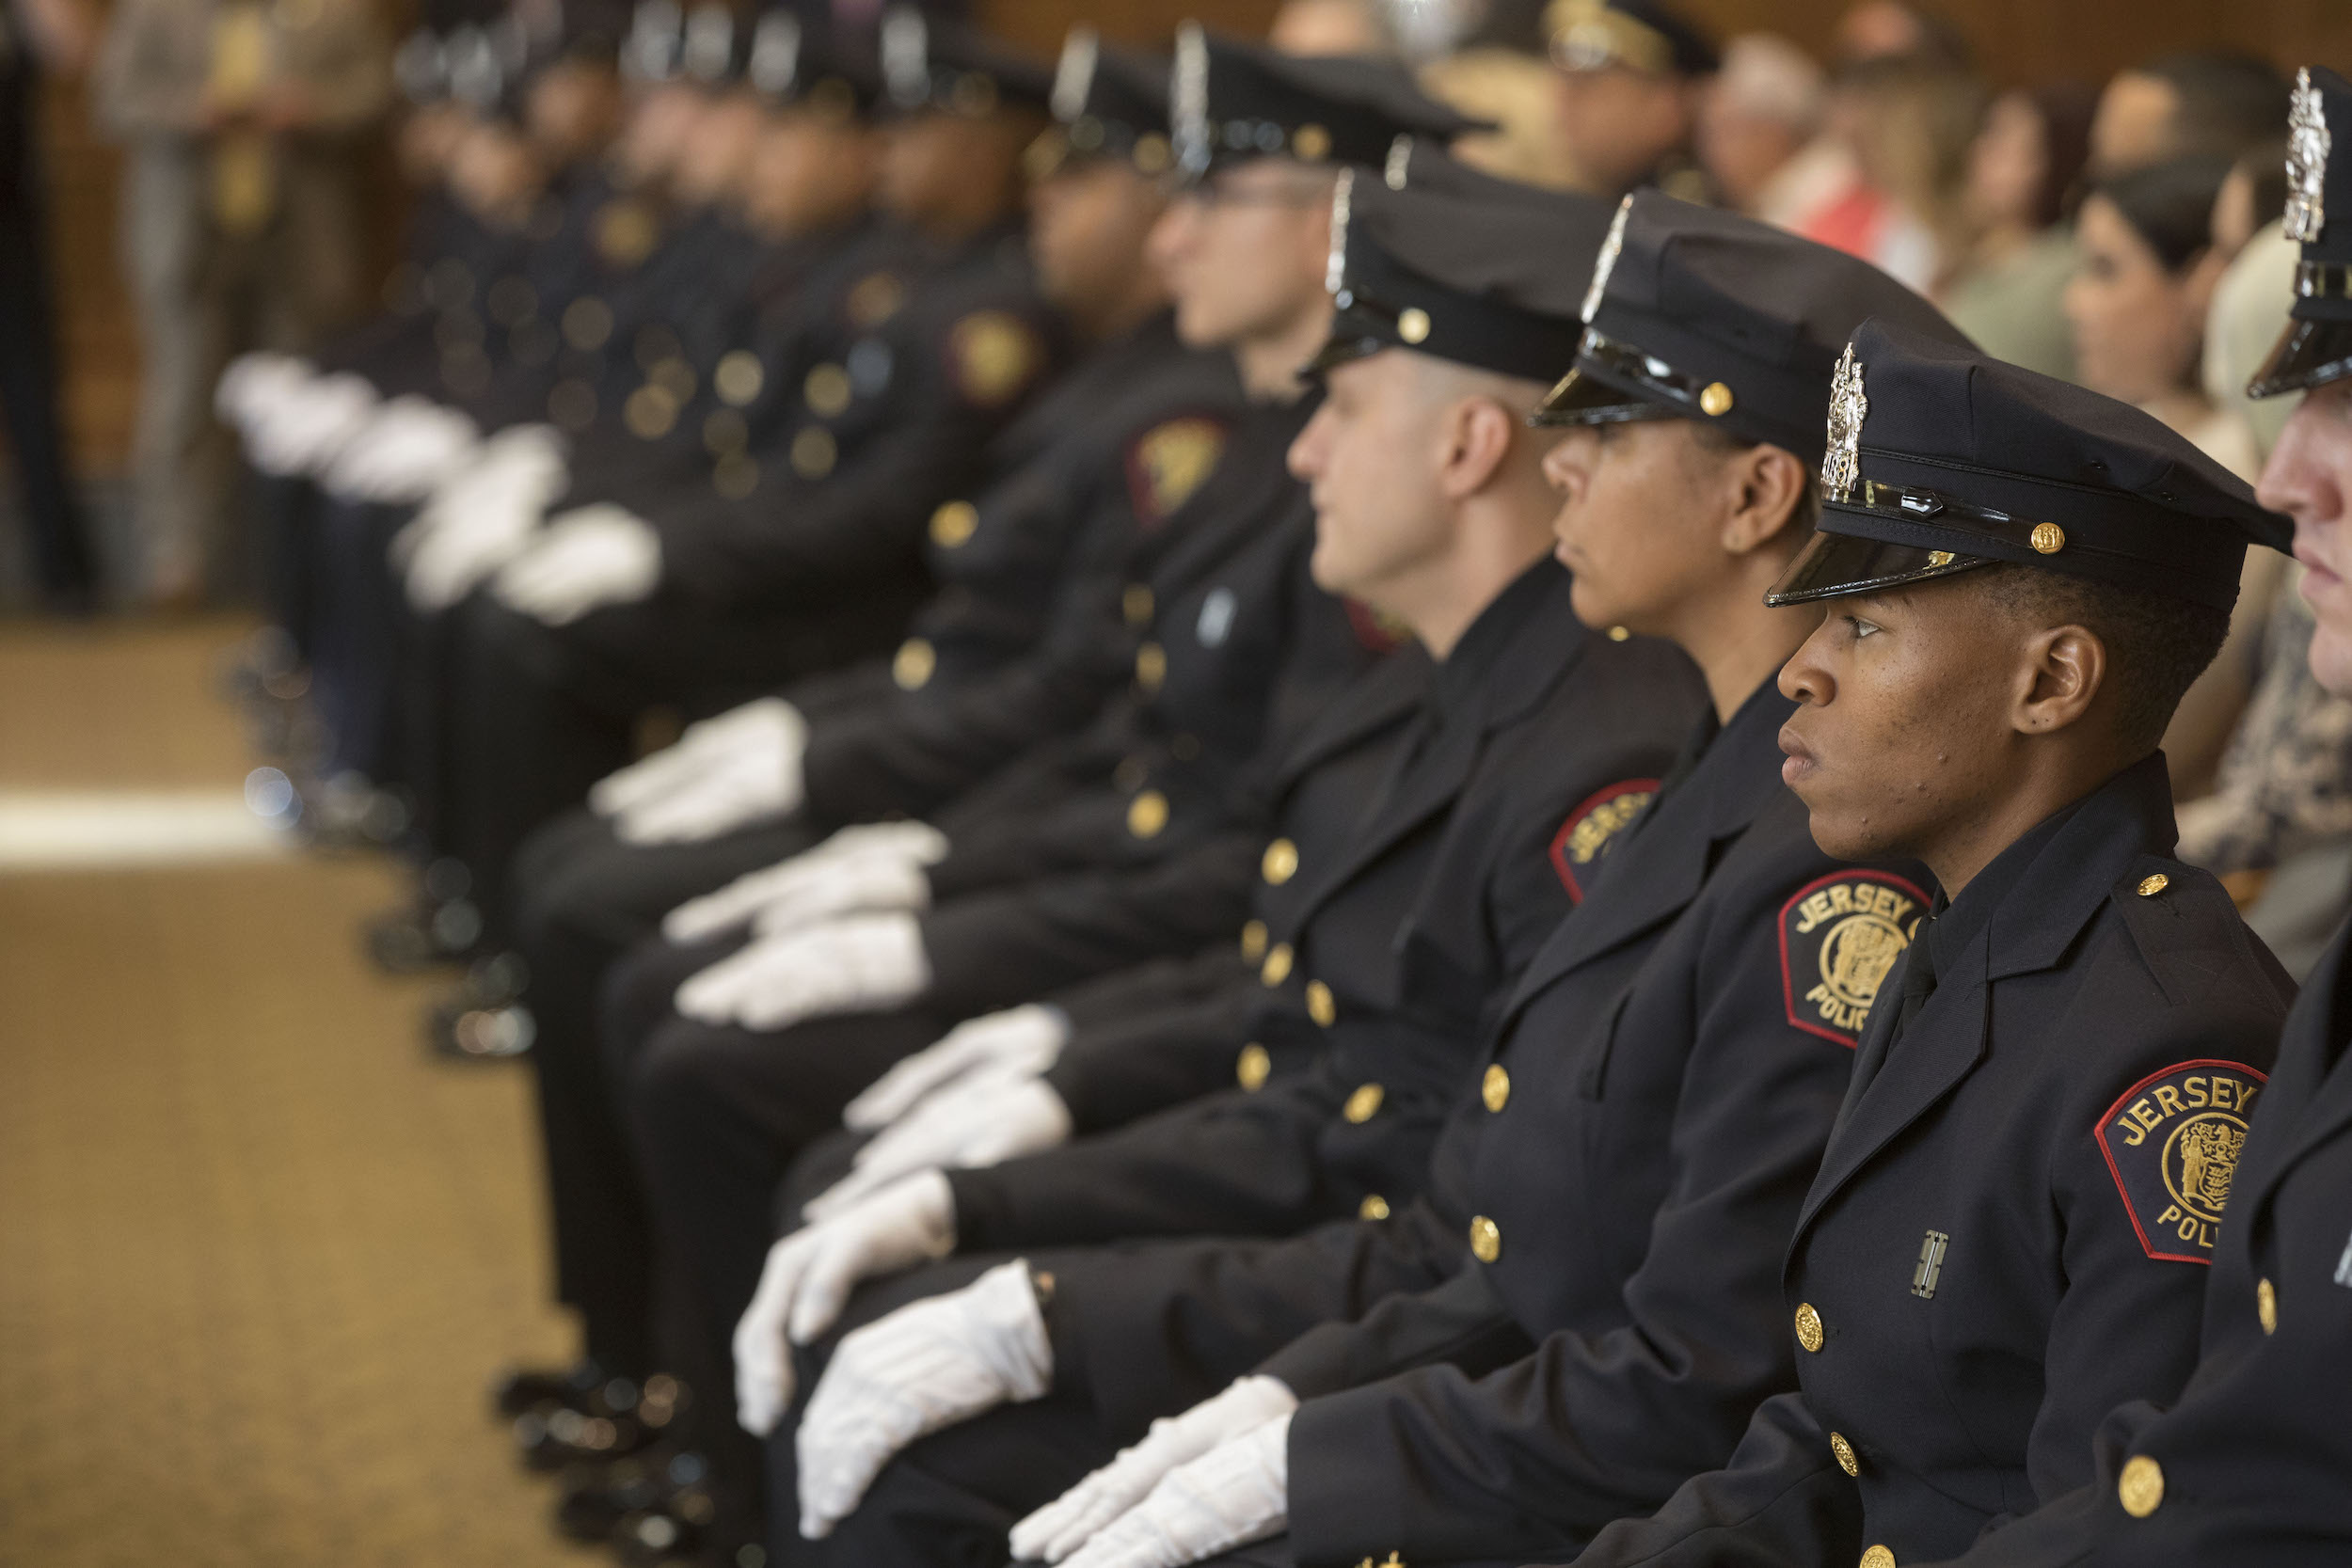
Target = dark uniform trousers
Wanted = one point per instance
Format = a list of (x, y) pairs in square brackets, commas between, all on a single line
[(1626, 1159), (2008, 1234)]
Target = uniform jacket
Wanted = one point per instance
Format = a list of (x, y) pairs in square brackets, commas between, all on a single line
[(2009, 1231)]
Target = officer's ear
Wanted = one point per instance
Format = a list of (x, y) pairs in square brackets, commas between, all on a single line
[(1475, 438), (1766, 490), (2060, 670)]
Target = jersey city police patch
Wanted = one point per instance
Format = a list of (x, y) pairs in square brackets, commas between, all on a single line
[(993, 354), (2173, 1141), (1593, 827), (1839, 937)]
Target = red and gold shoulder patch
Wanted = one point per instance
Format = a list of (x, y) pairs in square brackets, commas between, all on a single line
[(1377, 630), (2173, 1142), (1168, 462), (1593, 827), (994, 356), (1839, 937)]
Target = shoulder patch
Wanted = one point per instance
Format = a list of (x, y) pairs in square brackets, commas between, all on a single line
[(2171, 1141), (1593, 827), (1379, 632), (993, 354), (1839, 936), (1168, 462)]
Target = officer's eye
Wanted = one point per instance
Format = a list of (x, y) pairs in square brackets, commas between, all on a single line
[(1859, 629)]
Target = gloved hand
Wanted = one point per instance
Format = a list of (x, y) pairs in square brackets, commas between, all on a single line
[(402, 452), (255, 383), (1236, 1492), (659, 772), (808, 1277), (1064, 1524), (482, 516), (304, 435), (978, 1124), (593, 556), (872, 865), (859, 964), (926, 1366), (1018, 1042), (755, 772)]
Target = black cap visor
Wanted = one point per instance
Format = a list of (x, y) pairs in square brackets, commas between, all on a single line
[(2309, 353), (1833, 565), (1613, 384)]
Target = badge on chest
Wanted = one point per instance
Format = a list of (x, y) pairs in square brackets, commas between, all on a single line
[(2173, 1141), (1840, 937)]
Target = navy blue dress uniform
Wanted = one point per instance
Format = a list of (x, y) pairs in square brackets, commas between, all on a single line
[(2006, 1236)]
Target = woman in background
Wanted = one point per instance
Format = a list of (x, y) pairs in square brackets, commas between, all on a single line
[(2008, 288)]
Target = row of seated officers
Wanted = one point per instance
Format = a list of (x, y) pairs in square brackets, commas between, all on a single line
[(1373, 866)]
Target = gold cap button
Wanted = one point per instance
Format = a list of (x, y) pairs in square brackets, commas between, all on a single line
[(813, 452), (1279, 863), (1321, 1004), (1277, 967), (1878, 1557), (1150, 667), (1254, 942), (2151, 886), (1253, 1065), (1136, 603), (1147, 814), (1808, 1326), (1618, 634), (1842, 1451), (911, 666), (1412, 324), (1485, 1239), (954, 523), (1495, 1087), (1715, 402), (1364, 1104), (1373, 1207), (826, 390), (738, 377), (2140, 1487), (1310, 141), (2266, 1304), (2048, 538)]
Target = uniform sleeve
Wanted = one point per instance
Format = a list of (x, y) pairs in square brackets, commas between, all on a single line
[(1460, 1324), (1114, 1072)]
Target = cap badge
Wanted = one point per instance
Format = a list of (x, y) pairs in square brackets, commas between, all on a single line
[(1412, 324), (2307, 144), (1841, 466), (1074, 76), (906, 56), (1606, 262), (1335, 264), (2048, 538), (775, 54), (1400, 161), (1188, 101)]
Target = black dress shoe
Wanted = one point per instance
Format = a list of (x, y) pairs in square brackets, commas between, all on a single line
[(425, 936), (594, 1500), (521, 1388), (677, 1530), (618, 1421), (482, 1018)]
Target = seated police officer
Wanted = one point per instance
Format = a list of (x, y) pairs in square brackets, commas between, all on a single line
[(2009, 1226), (2247, 1469)]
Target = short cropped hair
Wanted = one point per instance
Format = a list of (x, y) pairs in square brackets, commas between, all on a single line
[(2158, 645)]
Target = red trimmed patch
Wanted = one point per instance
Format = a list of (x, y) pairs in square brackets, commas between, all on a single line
[(1168, 462), (2171, 1141), (1840, 937), (1594, 825), (1381, 634)]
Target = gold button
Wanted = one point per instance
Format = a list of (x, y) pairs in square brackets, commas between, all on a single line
[(723, 431), (2048, 538), (827, 391), (587, 323), (911, 666), (1808, 1326), (1878, 1557), (738, 377), (1150, 667), (1364, 1104), (2140, 1487), (1412, 325), (1373, 1207), (1940, 558), (1310, 141), (1279, 863), (1253, 936), (1147, 814), (736, 475), (1253, 1065), (2151, 886), (953, 524), (1136, 603), (650, 412), (1321, 1004), (1277, 967), (1716, 400), (1842, 1451), (1618, 634), (813, 452), (2266, 1304), (1495, 1087), (1485, 1239)]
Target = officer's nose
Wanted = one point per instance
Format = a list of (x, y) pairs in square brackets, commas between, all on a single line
[(1805, 677), (1567, 467)]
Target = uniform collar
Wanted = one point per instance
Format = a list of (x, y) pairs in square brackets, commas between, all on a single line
[(2059, 874), (1463, 674)]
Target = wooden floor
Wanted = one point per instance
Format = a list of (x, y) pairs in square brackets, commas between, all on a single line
[(257, 1253)]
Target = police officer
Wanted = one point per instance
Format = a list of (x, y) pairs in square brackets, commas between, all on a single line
[(2007, 1230), (1631, 75), (2247, 1467), (1672, 976)]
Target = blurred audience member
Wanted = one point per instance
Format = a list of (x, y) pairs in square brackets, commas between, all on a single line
[(1517, 93), (1331, 27), (1631, 74), (1760, 133), (36, 36), (2008, 289), (239, 223), (1886, 30), (1907, 123), (2212, 102)]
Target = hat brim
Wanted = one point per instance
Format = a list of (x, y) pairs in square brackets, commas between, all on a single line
[(1347, 343), (1833, 565), (1586, 396), (2309, 353)]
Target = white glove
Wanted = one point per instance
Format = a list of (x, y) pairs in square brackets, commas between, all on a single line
[(1236, 1492), (875, 866), (810, 1274), (926, 1366), (659, 772), (255, 383), (303, 436), (1019, 1042), (981, 1123), (403, 450), (862, 963), (595, 555), (1062, 1525), (755, 773), (482, 516)]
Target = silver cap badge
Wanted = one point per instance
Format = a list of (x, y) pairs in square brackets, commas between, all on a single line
[(2307, 144), (1841, 466), (1607, 260)]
